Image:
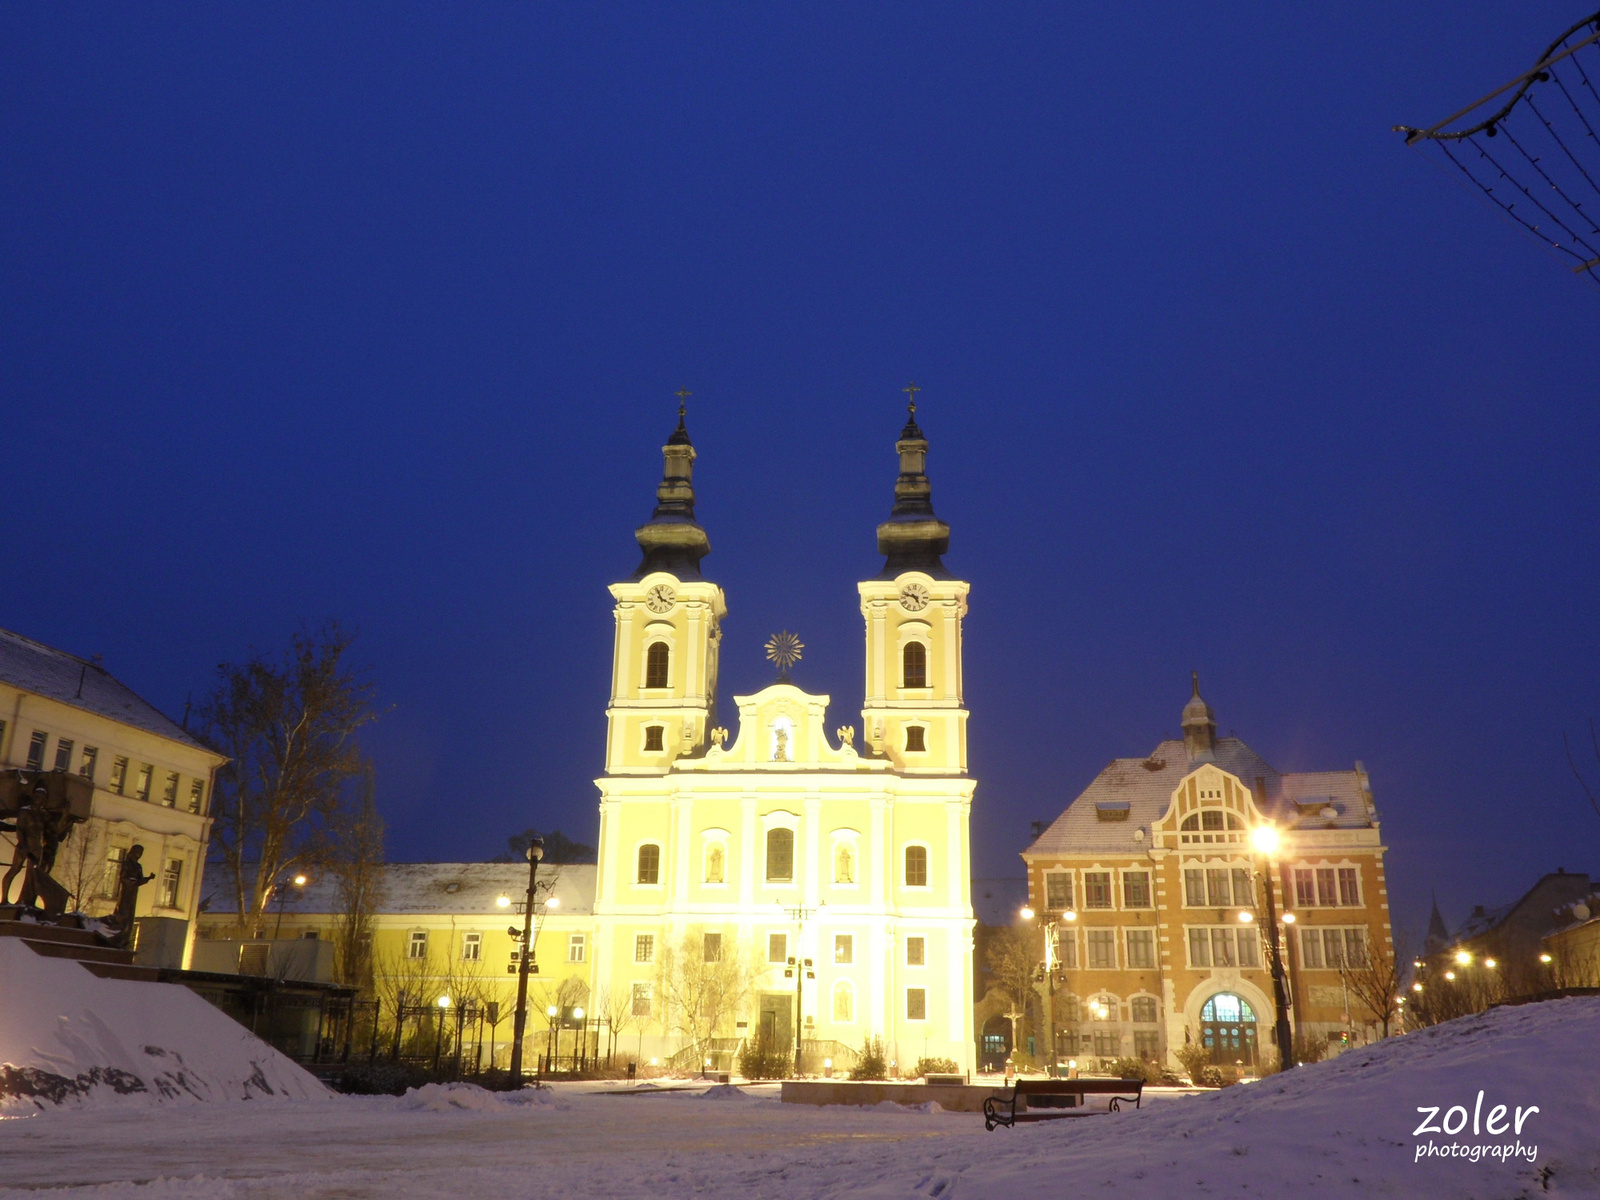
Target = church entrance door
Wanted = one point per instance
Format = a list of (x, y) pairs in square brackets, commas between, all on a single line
[(1228, 1030), (776, 1027)]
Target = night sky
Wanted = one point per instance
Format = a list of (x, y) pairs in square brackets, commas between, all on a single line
[(375, 312)]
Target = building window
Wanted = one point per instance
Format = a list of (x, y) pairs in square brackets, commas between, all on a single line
[(644, 947), (1107, 1043), (119, 775), (471, 947), (916, 1004), (1218, 887), (1102, 949), (1211, 825), (1141, 949), (1136, 889), (916, 866), (1097, 889), (657, 660), (169, 794), (1143, 1010), (1194, 887), (1224, 946), (915, 743), (1327, 894), (36, 750), (577, 947), (642, 995), (844, 863), (1057, 891), (142, 788), (711, 945), (844, 1005), (777, 947), (914, 660), (1305, 888), (844, 948), (649, 864), (1332, 948), (652, 738), (1349, 889), (91, 755), (1067, 947), (111, 880), (63, 754), (716, 862), (417, 947), (171, 882), (916, 952), (1147, 1044), (780, 855), (197, 795)]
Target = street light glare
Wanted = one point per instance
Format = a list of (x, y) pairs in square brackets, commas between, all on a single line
[(552, 902), (1288, 918), (1416, 987), (577, 1014), (502, 901), (444, 1001), (299, 881), (1265, 839), (1025, 912), (1544, 958), (1246, 915), (1463, 957), (1069, 916)]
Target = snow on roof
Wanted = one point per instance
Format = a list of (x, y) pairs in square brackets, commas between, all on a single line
[(443, 889), (1145, 787), (46, 671)]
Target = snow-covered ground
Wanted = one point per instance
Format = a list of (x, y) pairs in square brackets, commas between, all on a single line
[(1344, 1128)]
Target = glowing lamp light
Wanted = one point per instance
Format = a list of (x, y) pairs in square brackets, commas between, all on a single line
[(1463, 957), (1265, 839), (1069, 916), (1247, 916), (551, 1011), (299, 881), (827, 1062), (1072, 1064), (1416, 987), (577, 1014), (1490, 963), (502, 901), (1025, 912), (1544, 958), (1449, 974), (552, 902), (655, 1062), (1288, 918), (444, 1001), (1417, 962)]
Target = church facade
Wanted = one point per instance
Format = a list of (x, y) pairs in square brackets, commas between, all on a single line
[(831, 864)]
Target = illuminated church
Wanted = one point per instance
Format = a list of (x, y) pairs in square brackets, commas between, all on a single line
[(834, 861)]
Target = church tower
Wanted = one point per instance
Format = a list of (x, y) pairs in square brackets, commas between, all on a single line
[(914, 710), (668, 631)]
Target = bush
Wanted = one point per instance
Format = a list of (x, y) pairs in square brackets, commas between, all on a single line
[(1217, 1077), (1195, 1059), (760, 1059), (380, 1078), (1136, 1068), (873, 1063), (936, 1066), (1310, 1047)]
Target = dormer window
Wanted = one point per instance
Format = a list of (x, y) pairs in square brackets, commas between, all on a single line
[(914, 665), (657, 664)]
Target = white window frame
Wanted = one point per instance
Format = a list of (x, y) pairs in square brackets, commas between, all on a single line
[(472, 940), (928, 859), (1122, 889), (644, 948), (1102, 934), (916, 937), (1072, 889), (417, 940), (579, 943), (1127, 946)]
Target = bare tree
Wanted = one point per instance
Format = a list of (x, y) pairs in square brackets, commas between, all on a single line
[(287, 727), (704, 983), (81, 864), (1375, 983), (1583, 782), (617, 1008), (356, 864)]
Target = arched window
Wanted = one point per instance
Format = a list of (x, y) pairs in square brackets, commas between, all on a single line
[(656, 661), (649, 863), (715, 863), (916, 866), (844, 1002), (1228, 1029), (1218, 826), (914, 661), (844, 864), (780, 855)]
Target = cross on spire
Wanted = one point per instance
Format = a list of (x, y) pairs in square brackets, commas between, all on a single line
[(682, 394), (911, 390)]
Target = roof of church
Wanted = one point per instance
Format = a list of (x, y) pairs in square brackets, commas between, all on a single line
[(80, 683), (433, 889), (1145, 787)]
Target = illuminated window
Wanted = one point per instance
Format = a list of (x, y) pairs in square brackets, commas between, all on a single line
[(91, 755), (1057, 891), (169, 794), (142, 788), (780, 855), (916, 866), (914, 659), (916, 739), (171, 882), (197, 795), (657, 659), (119, 774), (111, 880), (649, 864)]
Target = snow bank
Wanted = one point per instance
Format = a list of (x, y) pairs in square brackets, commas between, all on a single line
[(69, 1036), (469, 1097)]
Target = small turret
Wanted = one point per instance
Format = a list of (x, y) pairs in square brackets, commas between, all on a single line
[(1199, 725), (912, 539), (672, 540)]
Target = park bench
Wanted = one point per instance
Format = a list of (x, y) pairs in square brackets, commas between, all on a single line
[(1044, 1099)]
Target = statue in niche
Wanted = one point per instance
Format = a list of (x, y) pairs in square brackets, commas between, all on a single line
[(714, 863), (780, 743), (131, 880), (847, 736), (844, 864)]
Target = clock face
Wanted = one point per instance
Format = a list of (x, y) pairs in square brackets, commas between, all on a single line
[(660, 598), (913, 597)]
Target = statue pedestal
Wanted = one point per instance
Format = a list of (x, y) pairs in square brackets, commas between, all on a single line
[(71, 941)]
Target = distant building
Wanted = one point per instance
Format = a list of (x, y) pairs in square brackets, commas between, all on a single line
[(1514, 936), (1573, 946), (1167, 947), (152, 784)]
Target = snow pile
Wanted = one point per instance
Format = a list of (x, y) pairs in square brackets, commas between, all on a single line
[(69, 1036), (726, 1091), (468, 1097)]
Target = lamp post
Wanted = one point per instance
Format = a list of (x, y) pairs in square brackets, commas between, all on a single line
[(801, 966), (283, 895), (1265, 840), (1052, 965), (520, 1025)]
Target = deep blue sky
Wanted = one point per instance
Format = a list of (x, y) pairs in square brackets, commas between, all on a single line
[(375, 312)]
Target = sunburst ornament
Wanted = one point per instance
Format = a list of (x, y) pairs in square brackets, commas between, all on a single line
[(783, 651)]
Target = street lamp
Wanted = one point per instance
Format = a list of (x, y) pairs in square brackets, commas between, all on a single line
[(802, 969), (520, 1025), (1463, 958), (1265, 840), (299, 881)]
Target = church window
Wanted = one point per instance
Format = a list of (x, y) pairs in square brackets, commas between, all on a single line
[(1141, 949), (916, 952), (1057, 891), (777, 947), (1102, 949), (644, 947), (716, 863), (844, 1002), (577, 946), (649, 864), (642, 995), (844, 864), (171, 883), (1136, 889), (657, 660), (711, 944), (652, 738), (1097, 889), (844, 948), (780, 855), (417, 946), (1143, 1009), (916, 866), (471, 947), (916, 1004), (916, 739), (1349, 892), (914, 661)]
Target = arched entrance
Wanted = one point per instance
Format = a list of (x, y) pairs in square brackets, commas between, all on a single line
[(994, 1044), (1228, 1030)]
